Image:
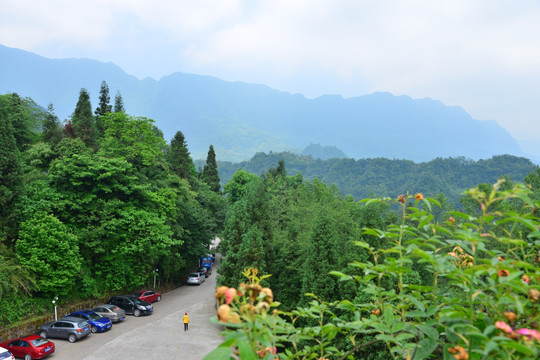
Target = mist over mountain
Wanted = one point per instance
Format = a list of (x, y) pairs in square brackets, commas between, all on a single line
[(241, 119)]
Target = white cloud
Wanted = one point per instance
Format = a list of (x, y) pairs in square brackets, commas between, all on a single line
[(482, 55)]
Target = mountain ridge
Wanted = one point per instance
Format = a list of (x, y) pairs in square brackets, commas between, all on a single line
[(240, 119)]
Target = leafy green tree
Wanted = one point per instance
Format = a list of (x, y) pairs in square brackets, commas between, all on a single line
[(118, 103), (10, 174), (24, 117), (83, 120), (210, 173), (49, 250), (132, 138)]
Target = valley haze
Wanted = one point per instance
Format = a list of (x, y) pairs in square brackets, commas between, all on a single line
[(241, 119)]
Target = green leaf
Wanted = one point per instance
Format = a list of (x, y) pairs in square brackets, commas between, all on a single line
[(221, 353), (425, 348)]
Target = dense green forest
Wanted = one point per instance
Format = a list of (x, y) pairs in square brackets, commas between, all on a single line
[(384, 177), (93, 205), (96, 204), (309, 274)]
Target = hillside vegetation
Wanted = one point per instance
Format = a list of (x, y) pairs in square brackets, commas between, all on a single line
[(385, 177), (98, 205)]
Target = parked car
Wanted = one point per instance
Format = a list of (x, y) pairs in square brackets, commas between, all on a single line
[(28, 347), (70, 328), (205, 270), (195, 278), (98, 323), (5, 354), (132, 304), (148, 295), (112, 312)]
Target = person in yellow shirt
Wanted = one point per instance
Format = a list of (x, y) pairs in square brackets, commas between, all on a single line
[(186, 322)]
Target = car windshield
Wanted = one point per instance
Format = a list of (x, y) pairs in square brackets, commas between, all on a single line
[(94, 316), (5, 354), (194, 275), (39, 341)]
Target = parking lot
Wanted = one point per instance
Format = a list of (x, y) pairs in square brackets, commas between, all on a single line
[(157, 336)]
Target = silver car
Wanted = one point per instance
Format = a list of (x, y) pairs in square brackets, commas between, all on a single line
[(195, 278), (110, 311), (70, 328)]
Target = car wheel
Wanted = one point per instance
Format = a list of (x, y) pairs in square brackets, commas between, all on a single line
[(94, 329), (43, 334), (27, 357), (159, 298), (137, 312), (72, 338)]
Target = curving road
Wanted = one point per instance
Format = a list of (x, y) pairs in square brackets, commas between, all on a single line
[(157, 336)]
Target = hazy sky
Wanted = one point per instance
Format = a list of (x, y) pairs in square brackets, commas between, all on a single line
[(483, 55)]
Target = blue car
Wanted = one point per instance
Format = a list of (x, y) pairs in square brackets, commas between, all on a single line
[(99, 323)]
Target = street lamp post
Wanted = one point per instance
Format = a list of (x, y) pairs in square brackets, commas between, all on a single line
[(55, 313), (155, 274)]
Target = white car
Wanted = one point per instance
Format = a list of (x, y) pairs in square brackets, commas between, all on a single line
[(5, 354), (195, 278)]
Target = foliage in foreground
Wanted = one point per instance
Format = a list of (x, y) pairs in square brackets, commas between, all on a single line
[(479, 299)]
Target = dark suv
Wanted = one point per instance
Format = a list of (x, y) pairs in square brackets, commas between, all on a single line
[(132, 305)]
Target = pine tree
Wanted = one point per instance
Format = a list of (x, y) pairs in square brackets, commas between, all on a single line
[(51, 129), (103, 108), (104, 100), (10, 173), (83, 120), (118, 103), (179, 159), (210, 173)]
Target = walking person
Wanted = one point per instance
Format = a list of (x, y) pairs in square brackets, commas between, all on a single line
[(186, 322)]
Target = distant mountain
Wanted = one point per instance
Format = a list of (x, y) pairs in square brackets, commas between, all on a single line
[(241, 119), (319, 151)]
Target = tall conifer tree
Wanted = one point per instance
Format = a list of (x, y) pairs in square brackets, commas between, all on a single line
[(104, 100), (210, 173), (103, 108), (51, 128), (179, 159), (83, 119), (118, 103)]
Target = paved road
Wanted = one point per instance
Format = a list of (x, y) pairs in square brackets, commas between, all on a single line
[(157, 336)]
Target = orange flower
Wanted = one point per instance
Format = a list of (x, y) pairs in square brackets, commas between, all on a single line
[(220, 292), (534, 294), (268, 294), (225, 314), (504, 327), (503, 272), (376, 312), (525, 279), (451, 220), (419, 197), (230, 293), (401, 198), (459, 353), (510, 316)]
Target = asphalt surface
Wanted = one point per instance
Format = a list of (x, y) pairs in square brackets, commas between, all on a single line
[(157, 336)]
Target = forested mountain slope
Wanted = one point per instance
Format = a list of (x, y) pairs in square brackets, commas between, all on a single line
[(385, 177)]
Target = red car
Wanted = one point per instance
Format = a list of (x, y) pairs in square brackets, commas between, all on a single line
[(29, 347), (148, 295)]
